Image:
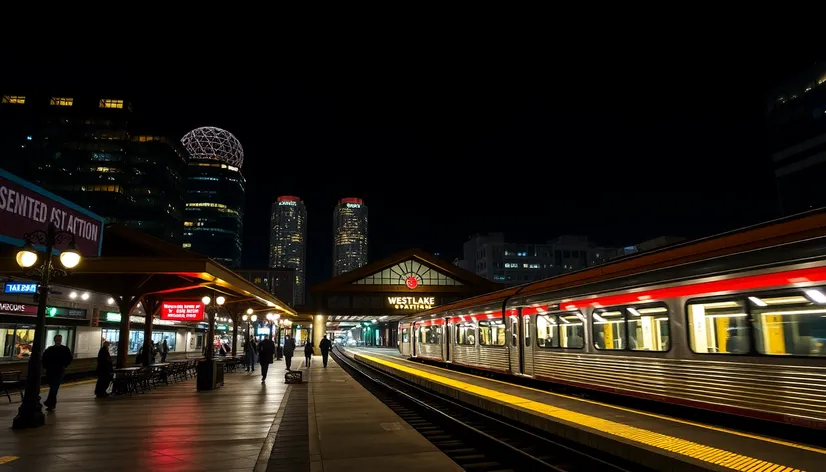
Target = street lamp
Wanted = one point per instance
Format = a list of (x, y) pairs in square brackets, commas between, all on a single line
[(30, 413)]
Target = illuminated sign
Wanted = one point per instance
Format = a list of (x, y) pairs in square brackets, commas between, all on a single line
[(262, 330), (292, 204), (182, 311), (221, 327), (51, 311), (113, 316), (155, 321), (411, 282), (20, 288), (412, 303), (353, 205)]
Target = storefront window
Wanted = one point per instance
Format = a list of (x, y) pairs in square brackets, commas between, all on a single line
[(112, 335), (7, 342), (67, 333), (16, 340), (24, 337), (159, 336)]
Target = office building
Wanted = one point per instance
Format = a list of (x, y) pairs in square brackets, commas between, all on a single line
[(88, 151), (215, 191), (288, 240), (491, 257), (796, 116), (349, 235)]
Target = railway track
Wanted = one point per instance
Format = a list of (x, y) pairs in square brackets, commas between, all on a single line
[(475, 440)]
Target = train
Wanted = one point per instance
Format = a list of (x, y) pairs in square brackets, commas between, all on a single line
[(734, 323)]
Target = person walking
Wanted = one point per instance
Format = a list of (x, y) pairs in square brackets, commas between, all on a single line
[(266, 351), (325, 345), (308, 353), (289, 350), (164, 349), (55, 360), (249, 352), (104, 371)]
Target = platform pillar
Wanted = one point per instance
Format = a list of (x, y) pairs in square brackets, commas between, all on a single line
[(319, 330)]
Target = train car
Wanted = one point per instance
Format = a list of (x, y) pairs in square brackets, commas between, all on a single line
[(735, 324)]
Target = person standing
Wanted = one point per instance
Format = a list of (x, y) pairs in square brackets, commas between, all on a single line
[(249, 353), (164, 349), (289, 350), (308, 353), (266, 352), (55, 360), (104, 371), (325, 345)]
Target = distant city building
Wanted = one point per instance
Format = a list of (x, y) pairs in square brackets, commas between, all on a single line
[(279, 282), (349, 235), (489, 256), (796, 116), (215, 192), (86, 150), (288, 240)]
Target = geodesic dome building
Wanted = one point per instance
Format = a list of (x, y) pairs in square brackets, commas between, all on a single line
[(209, 142)]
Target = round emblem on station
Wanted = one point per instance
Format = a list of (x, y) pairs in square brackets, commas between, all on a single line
[(411, 282)]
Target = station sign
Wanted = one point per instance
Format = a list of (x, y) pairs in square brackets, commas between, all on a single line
[(412, 303), (182, 311), (353, 205), (286, 203), (112, 316), (17, 287), (262, 330), (26, 208), (24, 309)]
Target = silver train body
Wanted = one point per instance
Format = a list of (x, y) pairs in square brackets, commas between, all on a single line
[(740, 334)]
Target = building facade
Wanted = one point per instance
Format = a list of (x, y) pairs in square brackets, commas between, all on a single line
[(288, 241), (279, 282), (491, 257), (215, 193), (86, 150), (796, 117), (349, 235)]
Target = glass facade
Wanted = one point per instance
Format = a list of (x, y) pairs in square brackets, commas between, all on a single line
[(288, 240), (214, 213), (350, 235), (136, 339), (94, 157), (16, 339)]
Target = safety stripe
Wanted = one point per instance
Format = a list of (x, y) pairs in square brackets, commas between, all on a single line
[(672, 444)]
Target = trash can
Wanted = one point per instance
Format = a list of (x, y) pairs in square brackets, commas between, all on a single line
[(208, 376)]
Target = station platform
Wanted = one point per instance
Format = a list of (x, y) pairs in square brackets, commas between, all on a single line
[(347, 429), (654, 441)]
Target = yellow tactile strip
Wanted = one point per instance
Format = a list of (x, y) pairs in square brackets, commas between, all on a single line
[(7, 459), (712, 455)]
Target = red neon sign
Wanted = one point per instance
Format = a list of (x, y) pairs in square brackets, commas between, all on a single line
[(182, 311), (411, 282)]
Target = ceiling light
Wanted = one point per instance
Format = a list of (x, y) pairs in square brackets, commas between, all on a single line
[(758, 301), (73, 295), (816, 295), (85, 296), (111, 301)]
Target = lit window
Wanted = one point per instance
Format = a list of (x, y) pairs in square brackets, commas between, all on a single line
[(634, 328), (492, 333), (61, 101), (719, 327), (107, 103), (16, 99), (186, 245), (188, 223)]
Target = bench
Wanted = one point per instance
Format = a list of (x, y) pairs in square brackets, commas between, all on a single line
[(292, 377)]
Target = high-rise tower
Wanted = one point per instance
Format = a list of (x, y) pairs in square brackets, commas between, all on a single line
[(288, 240), (350, 235), (215, 189)]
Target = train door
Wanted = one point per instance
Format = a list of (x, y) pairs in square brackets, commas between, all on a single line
[(527, 339), (414, 338), (514, 346)]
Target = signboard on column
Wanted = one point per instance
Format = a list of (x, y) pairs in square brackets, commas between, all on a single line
[(182, 311), (25, 208)]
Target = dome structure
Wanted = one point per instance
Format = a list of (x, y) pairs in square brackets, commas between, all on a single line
[(209, 142)]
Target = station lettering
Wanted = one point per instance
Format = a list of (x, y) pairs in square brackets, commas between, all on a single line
[(353, 205), (412, 303), (286, 204)]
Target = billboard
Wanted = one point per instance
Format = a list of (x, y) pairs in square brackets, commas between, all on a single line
[(182, 311), (25, 207)]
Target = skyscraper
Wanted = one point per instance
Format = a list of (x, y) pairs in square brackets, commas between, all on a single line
[(350, 235), (288, 240), (215, 191), (88, 150)]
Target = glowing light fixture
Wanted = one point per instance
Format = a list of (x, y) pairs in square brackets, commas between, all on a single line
[(70, 258), (816, 296), (253, 318), (26, 256), (220, 300), (73, 295), (758, 301), (249, 311), (206, 300), (111, 301), (85, 296)]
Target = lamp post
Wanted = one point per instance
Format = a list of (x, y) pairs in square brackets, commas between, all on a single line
[(30, 413), (211, 310), (248, 318)]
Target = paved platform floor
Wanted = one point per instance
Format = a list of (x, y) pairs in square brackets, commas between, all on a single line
[(347, 429), (172, 428), (627, 433)]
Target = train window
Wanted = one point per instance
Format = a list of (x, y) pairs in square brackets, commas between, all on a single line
[(547, 331), (572, 331), (790, 325), (466, 334), (648, 328), (527, 320), (609, 329), (492, 333), (719, 327), (405, 335)]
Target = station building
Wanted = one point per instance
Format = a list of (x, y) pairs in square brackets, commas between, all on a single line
[(363, 306)]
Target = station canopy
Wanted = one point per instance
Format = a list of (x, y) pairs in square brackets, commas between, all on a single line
[(135, 264)]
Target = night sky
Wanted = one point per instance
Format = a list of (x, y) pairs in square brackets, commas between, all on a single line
[(620, 150)]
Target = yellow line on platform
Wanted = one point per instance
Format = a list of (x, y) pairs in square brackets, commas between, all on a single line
[(673, 444), (631, 410), (7, 459)]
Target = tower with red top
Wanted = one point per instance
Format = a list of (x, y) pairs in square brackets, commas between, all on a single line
[(349, 235)]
